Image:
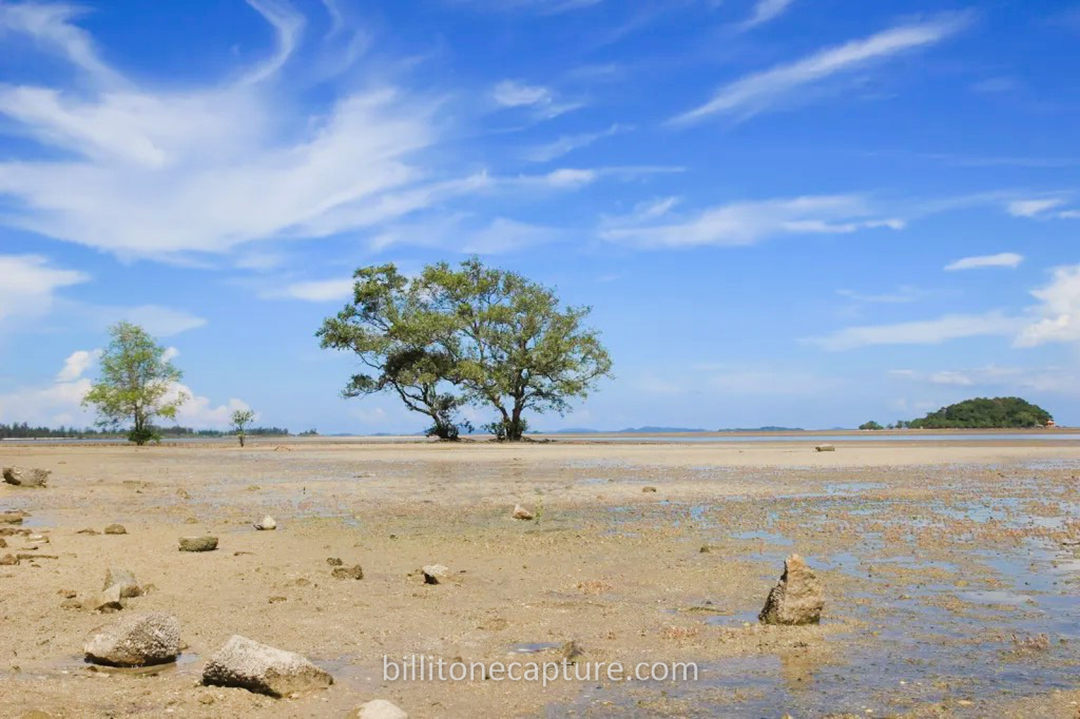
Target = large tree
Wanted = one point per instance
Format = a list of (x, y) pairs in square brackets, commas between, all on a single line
[(391, 328), (137, 383), (513, 347)]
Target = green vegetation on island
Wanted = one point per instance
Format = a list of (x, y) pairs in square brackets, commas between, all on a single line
[(978, 413)]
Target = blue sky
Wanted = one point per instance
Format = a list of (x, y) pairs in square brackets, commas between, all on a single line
[(794, 212)]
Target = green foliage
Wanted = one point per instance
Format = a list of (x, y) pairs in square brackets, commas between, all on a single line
[(241, 418), (23, 430), (514, 348), (473, 335), (393, 330), (136, 379), (985, 413), (870, 425)]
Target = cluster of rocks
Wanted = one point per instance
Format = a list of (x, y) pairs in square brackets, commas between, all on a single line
[(21, 477)]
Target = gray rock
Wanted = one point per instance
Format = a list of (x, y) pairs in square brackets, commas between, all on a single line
[(136, 641), (115, 529), (380, 709), (198, 544), (124, 579), (522, 513), (26, 477), (434, 573), (266, 670), (267, 523), (797, 599), (108, 600), (348, 572)]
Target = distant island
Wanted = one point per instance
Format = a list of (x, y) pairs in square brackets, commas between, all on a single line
[(978, 413)]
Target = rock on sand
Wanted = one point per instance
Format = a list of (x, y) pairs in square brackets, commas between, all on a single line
[(522, 513), (198, 544), (259, 668), (797, 599), (26, 477), (123, 579), (434, 573), (135, 641), (267, 523), (115, 529), (380, 709)]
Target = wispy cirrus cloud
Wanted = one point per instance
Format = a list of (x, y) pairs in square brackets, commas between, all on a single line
[(28, 284), (746, 223), (1033, 208), (921, 332), (565, 144), (765, 11), (781, 85), (1002, 259)]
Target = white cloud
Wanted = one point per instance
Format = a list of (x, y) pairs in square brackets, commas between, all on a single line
[(764, 11), (1003, 379), (466, 234), (76, 364), (934, 331), (745, 223), (544, 7), (158, 321), (1059, 311), (60, 402), (568, 143), (1002, 259), (288, 25), (902, 295), (511, 93), (338, 288), (145, 171), (28, 284), (1032, 208), (765, 90)]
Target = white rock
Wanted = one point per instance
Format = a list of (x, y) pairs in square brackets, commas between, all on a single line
[(266, 523), (136, 640), (380, 709), (259, 668), (433, 573)]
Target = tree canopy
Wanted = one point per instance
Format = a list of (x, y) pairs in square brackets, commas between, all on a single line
[(985, 413), (137, 383), (471, 335)]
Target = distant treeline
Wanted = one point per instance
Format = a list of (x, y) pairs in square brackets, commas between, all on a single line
[(978, 413), (25, 431)]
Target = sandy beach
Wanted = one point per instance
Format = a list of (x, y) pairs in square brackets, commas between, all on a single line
[(949, 568)]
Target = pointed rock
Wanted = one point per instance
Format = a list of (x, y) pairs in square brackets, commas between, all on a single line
[(522, 513), (263, 669), (797, 599), (124, 579), (434, 573)]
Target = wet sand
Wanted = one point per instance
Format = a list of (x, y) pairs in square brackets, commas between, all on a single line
[(951, 574)]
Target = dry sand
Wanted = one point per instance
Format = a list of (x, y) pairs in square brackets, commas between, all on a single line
[(950, 574)]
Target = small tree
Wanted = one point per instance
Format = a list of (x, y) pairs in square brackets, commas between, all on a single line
[(135, 384), (241, 418), (870, 425), (512, 346)]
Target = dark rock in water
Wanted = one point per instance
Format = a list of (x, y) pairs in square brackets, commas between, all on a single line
[(348, 572), (797, 599), (26, 477), (263, 669), (115, 529), (136, 641), (198, 544)]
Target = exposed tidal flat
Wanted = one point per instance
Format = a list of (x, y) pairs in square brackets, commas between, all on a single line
[(950, 572)]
